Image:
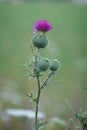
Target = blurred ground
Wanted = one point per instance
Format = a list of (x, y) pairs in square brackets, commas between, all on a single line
[(68, 43)]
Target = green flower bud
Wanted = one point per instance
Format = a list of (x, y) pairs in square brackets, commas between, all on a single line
[(84, 115), (43, 64), (40, 40), (54, 65)]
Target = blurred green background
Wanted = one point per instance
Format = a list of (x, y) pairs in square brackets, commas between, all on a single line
[(67, 42)]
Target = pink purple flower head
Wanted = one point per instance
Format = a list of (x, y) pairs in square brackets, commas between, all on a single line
[(42, 26)]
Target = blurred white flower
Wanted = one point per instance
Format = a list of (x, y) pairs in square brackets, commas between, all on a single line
[(57, 120), (26, 113)]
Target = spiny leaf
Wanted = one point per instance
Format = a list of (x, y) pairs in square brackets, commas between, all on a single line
[(70, 107), (41, 125)]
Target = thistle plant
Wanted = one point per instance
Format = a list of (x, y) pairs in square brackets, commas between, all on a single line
[(40, 65), (80, 119)]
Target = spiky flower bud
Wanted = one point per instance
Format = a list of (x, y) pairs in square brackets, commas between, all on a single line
[(40, 40), (54, 65), (43, 64)]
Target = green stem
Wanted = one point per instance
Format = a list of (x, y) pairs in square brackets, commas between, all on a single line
[(45, 81), (37, 103), (38, 91), (38, 96)]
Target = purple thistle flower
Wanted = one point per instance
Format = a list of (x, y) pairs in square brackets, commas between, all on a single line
[(42, 26)]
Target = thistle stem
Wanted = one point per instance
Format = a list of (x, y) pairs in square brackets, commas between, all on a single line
[(37, 103), (45, 81)]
